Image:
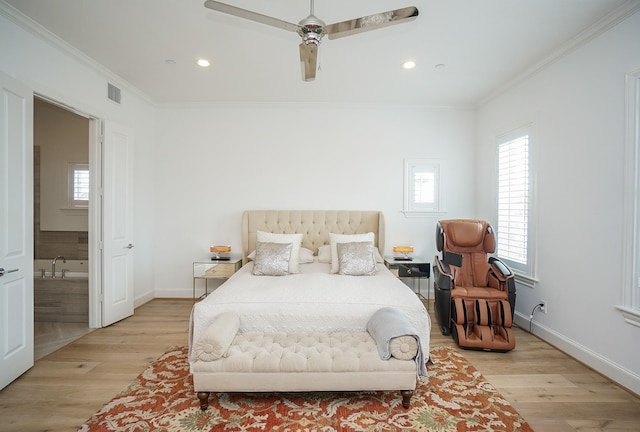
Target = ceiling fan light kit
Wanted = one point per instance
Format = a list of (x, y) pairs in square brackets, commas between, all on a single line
[(312, 29)]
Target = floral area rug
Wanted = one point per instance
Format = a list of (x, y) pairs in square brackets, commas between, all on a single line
[(455, 397)]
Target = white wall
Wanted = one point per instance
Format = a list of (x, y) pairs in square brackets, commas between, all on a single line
[(63, 138), (65, 78), (213, 163), (577, 106)]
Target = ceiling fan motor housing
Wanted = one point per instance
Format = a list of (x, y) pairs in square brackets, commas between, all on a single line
[(311, 30)]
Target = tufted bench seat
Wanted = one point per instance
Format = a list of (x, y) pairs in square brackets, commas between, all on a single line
[(268, 362)]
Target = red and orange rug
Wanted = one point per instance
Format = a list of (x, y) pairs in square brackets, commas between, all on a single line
[(456, 397)]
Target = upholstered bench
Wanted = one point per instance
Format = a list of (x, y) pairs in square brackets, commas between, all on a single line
[(225, 360)]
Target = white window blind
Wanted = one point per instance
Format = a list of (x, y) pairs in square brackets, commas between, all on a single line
[(514, 200), (79, 185)]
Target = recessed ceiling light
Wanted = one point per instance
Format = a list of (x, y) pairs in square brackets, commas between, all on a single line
[(203, 63), (409, 64)]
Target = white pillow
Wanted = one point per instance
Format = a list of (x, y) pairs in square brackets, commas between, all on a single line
[(217, 338), (295, 239), (306, 256), (324, 254), (379, 258), (334, 239)]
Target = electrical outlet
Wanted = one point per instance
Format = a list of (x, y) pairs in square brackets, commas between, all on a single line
[(543, 308)]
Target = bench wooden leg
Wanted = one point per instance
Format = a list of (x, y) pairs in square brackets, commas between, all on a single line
[(204, 400), (406, 397)]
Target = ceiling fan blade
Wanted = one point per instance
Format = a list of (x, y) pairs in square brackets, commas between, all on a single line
[(371, 22), (308, 61), (253, 16)]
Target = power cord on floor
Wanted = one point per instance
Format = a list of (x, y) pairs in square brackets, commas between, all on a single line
[(538, 306)]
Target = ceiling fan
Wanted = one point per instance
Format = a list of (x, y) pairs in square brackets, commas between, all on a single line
[(312, 29)]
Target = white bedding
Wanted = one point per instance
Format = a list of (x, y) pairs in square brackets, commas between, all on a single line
[(313, 300)]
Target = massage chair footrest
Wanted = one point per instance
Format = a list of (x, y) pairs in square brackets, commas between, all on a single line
[(482, 324)]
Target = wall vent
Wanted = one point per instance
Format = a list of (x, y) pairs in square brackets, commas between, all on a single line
[(113, 93)]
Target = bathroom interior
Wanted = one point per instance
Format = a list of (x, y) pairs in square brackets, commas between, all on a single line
[(61, 235)]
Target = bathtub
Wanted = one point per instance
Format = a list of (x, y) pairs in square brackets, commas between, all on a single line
[(72, 268), (61, 299)]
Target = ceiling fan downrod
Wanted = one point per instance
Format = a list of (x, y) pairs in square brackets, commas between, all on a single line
[(311, 28)]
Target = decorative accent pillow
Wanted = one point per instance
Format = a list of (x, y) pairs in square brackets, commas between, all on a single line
[(356, 258), (294, 239), (324, 254), (305, 257), (334, 239), (216, 339), (403, 347), (272, 259)]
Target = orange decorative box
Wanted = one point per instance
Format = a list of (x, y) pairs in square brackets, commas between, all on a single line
[(218, 249)]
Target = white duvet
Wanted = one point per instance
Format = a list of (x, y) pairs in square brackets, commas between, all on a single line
[(313, 300)]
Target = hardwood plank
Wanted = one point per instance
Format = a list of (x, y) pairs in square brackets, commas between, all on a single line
[(552, 391)]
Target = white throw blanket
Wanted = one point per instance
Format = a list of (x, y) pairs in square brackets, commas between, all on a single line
[(388, 323)]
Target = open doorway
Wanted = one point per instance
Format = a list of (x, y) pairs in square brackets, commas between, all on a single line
[(61, 199)]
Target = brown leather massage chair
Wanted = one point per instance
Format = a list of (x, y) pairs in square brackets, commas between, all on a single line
[(474, 296)]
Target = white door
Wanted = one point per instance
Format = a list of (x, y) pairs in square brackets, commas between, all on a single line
[(16, 229), (117, 223)]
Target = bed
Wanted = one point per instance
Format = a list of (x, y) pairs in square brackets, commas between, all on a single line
[(313, 299)]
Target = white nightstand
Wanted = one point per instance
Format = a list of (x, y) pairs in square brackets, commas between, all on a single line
[(214, 269)]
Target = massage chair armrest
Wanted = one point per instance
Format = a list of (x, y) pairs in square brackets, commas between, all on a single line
[(503, 273), (500, 266), (442, 274)]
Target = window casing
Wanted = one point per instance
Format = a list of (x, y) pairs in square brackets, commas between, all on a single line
[(422, 185), (515, 239), (630, 295)]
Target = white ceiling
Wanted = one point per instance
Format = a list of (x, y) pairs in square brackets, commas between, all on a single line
[(482, 43)]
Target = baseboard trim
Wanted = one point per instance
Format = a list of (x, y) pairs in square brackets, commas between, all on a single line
[(615, 372), (175, 294), (146, 297)]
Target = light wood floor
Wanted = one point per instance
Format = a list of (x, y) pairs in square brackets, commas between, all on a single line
[(552, 391), (51, 336)]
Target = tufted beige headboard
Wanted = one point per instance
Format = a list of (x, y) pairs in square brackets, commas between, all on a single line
[(315, 225)]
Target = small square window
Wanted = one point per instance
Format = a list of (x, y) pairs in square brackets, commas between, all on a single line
[(421, 186)]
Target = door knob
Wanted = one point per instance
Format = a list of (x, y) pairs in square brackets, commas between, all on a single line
[(129, 246)]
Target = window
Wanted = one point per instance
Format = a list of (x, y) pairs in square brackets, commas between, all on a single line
[(78, 185), (515, 240), (421, 186), (630, 304)]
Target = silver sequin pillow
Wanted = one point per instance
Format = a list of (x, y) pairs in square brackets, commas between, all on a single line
[(356, 258), (272, 259)]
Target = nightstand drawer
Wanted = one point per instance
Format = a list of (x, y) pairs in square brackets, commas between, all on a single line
[(220, 270), (214, 269)]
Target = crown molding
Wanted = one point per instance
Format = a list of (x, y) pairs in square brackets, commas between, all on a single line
[(596, 29), (31, 26)]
